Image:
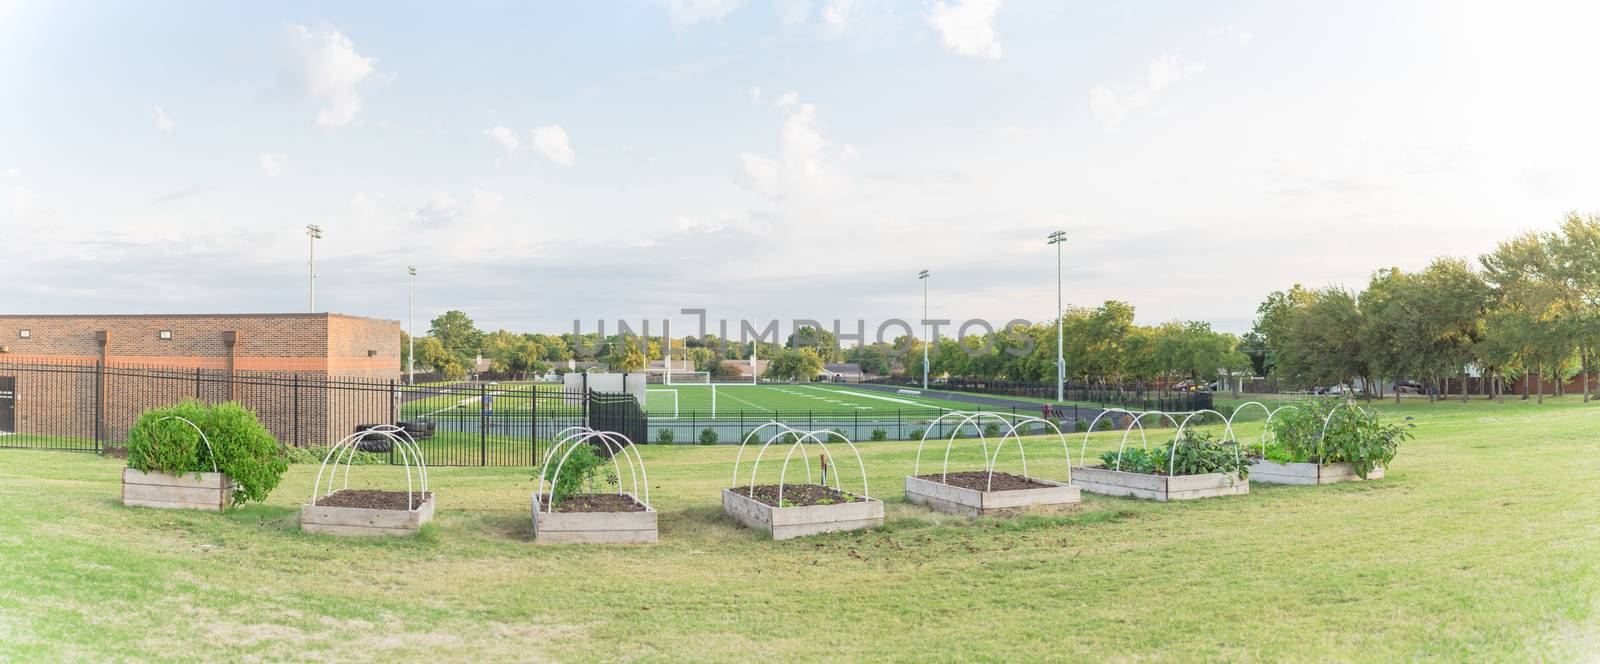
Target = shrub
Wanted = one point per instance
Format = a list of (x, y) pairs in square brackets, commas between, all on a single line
[(991, 430), (240, 447), (1106, 423), (316, 454), (914, 434), (880, 434), (664, 436), (1080, 426), (1357, 437), (1194, 453), (708, 436)]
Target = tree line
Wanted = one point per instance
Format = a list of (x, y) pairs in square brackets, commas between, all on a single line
[(1527, 311)]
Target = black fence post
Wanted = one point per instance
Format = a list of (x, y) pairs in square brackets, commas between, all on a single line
[(294, 409), (483, 425)]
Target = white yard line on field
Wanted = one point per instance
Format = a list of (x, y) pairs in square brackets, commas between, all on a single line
[(725, 395), (869, 396)]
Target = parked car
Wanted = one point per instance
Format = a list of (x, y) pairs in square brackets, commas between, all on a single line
[(1408, 387)]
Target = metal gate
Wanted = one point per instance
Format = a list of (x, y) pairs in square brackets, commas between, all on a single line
[(8, 405)]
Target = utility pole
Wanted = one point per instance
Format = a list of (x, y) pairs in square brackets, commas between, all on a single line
[(923, 276), (411, 325), (313, 232), (1059, 238)]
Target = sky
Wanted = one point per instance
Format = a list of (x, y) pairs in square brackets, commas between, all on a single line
[(545, 162)]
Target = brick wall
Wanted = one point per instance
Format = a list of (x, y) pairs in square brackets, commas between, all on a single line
[(310, 347)]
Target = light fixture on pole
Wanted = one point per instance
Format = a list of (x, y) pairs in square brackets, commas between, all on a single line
[(314, 232), (1059, 238), (411, 325), (923, 276)]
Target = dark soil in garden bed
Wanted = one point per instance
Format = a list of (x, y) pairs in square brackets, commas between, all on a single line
[(978, 480), (596, 502), (797, 495), (372, 499)]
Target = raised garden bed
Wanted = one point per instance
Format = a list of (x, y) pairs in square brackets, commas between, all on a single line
[(965, 493), (807, 509), (364, 512), (586, 457), (976, 493), (787, 510), (1109, 482), (369, 512), (1273, 472), (191, 491)]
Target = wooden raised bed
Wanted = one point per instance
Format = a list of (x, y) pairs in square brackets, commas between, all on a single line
[(1273, 472), (951, 499), (790, 522), (593, 527), (1106, 481), (359, 521), (190, 491)]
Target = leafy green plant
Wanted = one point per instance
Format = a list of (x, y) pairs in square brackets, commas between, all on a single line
[(914, 434), (664, 436), (708, 436), (309, 455), (1106, 423), (991, 430), (566, 477), (1080, 426), (1355, 436), (240, 446), (1194, 453), (880, 435)]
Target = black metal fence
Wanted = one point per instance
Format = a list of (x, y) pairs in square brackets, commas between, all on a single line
[(690, 426), (89, 407), (1129, 397)]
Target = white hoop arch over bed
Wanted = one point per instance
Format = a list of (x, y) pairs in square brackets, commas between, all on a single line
[(1013, 421), (345, 450), (571, 439), (801, 436), (212, 453)]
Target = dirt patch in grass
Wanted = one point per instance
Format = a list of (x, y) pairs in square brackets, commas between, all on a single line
[(373, 499), (978, 480), (596, 502), (797, 495)]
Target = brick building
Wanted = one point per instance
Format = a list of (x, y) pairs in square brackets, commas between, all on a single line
[(280, 365)]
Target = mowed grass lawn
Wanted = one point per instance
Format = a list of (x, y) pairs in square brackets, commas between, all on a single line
[(1482, 544)]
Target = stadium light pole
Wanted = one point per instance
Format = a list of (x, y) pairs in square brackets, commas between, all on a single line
[(411, 325), (313, 232), (923, 276), (1059, 238)]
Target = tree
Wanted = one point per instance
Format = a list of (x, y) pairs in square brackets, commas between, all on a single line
[(431, 353), (624, 355), (794, 364), (822, 341), (1318, 343), (458, 334)]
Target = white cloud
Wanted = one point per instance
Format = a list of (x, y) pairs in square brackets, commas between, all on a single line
[(1233, 32), (837, 13), (273, 164), (685, 13), (164, 123), (1112, 105), (323, 65), (787, 99), (1168, 69), (807, 163), (551, 141), (482, 202), (967, 27), (755, 95), (505, 137), (439, 211), (760, 173)]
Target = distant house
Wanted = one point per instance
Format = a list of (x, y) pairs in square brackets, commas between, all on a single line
[(657, 369), (840, 372), (743, 367)]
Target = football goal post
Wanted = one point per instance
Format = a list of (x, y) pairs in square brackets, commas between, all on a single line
[(660, 393), (688, 378)]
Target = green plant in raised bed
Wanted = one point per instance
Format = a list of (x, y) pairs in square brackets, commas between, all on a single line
[(240, 447), (579, 470), (1194, 453), (1357, 436)]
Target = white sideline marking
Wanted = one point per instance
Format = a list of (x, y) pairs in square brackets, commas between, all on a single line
[(872, 396)]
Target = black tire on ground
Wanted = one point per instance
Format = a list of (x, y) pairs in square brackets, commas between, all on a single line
[(375, 443)]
